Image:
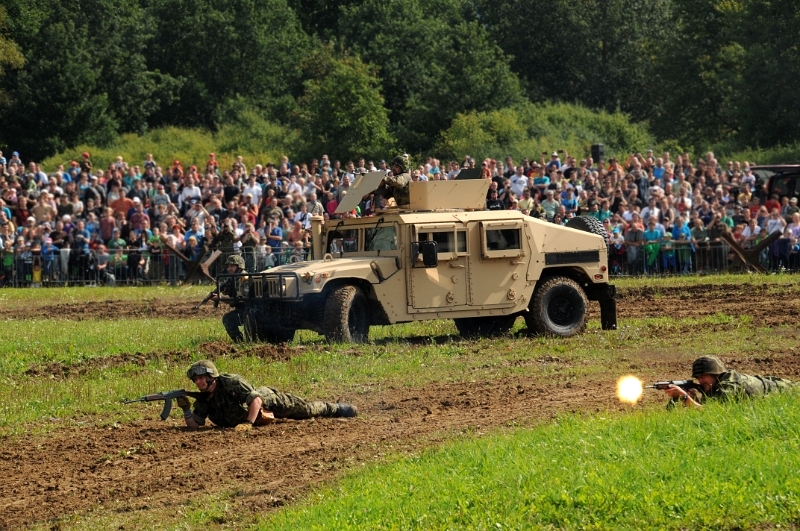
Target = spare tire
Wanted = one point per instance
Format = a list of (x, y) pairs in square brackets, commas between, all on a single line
[(589, 224)]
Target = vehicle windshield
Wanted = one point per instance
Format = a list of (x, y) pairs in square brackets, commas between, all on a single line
[(343, 241), (381, 238)]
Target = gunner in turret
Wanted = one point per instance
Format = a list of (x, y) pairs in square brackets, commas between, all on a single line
[(396, 185)]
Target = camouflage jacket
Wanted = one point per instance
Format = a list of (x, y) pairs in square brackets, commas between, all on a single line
[(229, 404), (223, 241), (733, 386), (397, 187)]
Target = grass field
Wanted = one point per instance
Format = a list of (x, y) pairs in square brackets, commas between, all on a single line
[(727, 467), (598, 468)]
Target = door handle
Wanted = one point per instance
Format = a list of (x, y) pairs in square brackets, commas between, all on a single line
[(518, 262), (458, 266)]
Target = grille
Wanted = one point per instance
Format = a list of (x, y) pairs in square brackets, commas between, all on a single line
[(274, 288)]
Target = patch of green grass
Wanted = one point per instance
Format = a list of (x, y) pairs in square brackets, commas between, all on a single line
[(43, 341), (726, 467)]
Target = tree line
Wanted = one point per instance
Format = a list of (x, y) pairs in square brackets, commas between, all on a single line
[(362, 76)]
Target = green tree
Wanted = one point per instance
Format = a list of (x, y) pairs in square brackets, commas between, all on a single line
[(54, 101), (225, 49), (769, 87), (10, 55), (697, 74), (85, 78), (342, 111), (321, 17), (436, 60), (596, 52)]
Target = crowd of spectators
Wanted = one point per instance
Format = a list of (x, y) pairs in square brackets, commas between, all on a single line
[(124, 221), (661, 215)]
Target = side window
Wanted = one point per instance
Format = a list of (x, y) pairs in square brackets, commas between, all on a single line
[(782, 185), (450, 242), (501, 239)]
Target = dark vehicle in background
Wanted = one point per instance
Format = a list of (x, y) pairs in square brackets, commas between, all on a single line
[(781, 179)]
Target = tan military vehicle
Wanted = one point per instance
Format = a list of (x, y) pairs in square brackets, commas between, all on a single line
[(441, 257)]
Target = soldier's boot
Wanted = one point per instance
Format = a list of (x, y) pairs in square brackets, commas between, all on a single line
[(330, 409), (345, 410)]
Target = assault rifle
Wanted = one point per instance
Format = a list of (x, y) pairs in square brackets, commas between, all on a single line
[(208, 298), (167, 397), (686, 385)]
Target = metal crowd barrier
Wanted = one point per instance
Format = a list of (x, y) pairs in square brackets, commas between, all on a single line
[(687, 258), (124, 267)]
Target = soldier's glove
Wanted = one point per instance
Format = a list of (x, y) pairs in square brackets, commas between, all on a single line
[(183, 403), (244, 427)]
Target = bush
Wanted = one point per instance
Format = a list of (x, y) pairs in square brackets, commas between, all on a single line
[(247, 134), (526, 130), (775, 155)]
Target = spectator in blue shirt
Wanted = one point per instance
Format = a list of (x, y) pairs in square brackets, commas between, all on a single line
[(569, 203), (275, 234), (681, 228)]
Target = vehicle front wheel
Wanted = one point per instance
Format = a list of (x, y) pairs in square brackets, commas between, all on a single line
[(559, 307), (346, 316)]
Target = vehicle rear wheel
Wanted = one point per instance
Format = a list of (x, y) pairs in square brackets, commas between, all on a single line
[(346, 316), (589, 224), (492, 326), (559, 307)]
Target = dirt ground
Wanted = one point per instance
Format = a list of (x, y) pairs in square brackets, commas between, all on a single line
[(151, 464)]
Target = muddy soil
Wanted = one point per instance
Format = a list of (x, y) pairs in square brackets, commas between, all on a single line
[(80, 311), (150, 464)]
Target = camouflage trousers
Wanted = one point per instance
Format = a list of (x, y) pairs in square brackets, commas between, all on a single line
[(286, 406)]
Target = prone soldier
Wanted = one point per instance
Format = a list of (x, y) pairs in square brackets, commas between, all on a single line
[(232, 402), (721, 383)]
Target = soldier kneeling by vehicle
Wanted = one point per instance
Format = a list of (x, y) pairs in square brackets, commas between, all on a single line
[(234, 318), (716, 381), (233, 402)]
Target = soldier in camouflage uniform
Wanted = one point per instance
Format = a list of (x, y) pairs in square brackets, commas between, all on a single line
[(223, 241), (396, 185), (233, 402), (727, 384), (230, 288)]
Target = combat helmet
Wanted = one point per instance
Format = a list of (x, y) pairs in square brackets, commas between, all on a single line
[(400, 161), (707, 365), (200, 368), (236, 260)]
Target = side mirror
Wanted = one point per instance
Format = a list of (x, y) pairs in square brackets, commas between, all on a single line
[(429, 252)]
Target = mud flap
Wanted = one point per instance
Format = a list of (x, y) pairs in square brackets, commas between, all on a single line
[(608, 313)]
